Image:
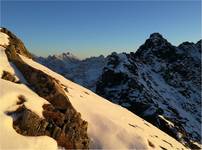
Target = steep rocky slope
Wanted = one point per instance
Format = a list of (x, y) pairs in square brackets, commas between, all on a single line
[(159, 82), (39, 103)]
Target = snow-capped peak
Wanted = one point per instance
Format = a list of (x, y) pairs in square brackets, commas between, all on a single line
[(66, 55)]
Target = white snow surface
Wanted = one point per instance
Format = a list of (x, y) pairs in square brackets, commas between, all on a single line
[(4, 39), (5, 65), (110, 125)]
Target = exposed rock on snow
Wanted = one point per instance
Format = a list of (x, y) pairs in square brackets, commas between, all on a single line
[(8, 76)]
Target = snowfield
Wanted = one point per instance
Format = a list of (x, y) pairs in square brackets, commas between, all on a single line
[(110, 126), (4, 39)]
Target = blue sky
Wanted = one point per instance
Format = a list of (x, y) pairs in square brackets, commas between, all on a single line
[(91, 28)]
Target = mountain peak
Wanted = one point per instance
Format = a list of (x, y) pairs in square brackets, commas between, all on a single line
[(156, 35), (66, 56), (156, 39), (155, 43)]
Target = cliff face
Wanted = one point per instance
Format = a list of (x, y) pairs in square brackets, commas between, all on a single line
[(161, 83)]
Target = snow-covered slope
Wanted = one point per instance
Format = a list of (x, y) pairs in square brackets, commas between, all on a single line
[(9, 93), (109, 125), (160, 82), (109, 121), (4, 39)]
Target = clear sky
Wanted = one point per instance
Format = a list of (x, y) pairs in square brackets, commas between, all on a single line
[(91, 28)]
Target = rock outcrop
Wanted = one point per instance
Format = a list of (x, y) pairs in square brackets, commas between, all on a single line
[(8, 76)]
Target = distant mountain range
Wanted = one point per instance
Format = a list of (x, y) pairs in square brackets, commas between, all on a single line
[(85, 72), (159, 82)]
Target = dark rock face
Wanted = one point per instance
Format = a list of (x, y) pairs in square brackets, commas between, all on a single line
[(161, 83), (29, 123), (70, 132), (45, 86), (54, 125), (62, 122), (8, 76)]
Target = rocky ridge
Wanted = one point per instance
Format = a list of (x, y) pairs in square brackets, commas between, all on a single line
[(62, 122), (161, 83)]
